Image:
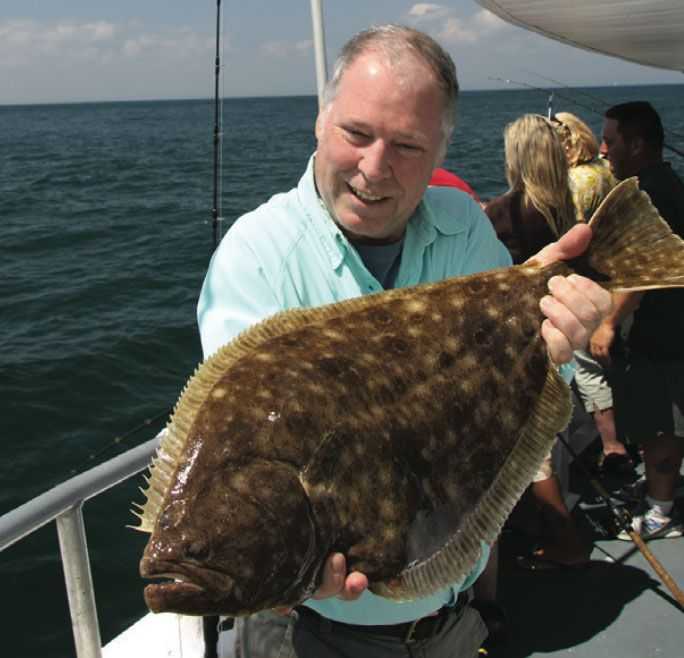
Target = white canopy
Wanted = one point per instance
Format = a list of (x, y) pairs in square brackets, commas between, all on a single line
[(647, 32)]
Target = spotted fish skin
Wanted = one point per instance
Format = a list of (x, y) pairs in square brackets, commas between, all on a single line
[(399, 429)]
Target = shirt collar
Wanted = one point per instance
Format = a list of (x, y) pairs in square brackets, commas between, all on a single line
[(333, 241), (422, 228)]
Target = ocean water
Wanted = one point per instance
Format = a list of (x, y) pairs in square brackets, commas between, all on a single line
[(106, 234)]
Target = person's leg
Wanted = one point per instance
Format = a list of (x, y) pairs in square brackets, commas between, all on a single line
[(663, 461), (615, 463), (596, 394), (566, 545), (661, 386), (605, 424)]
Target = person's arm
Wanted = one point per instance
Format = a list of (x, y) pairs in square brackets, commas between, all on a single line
[(236, 294), (624, 303)]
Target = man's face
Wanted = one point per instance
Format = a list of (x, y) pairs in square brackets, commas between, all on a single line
[(617, 151), (378, 142)]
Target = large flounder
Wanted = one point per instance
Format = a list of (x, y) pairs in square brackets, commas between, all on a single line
[(399, 429)]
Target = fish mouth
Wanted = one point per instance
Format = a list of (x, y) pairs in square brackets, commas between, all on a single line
[(182, 590), (172, 596)]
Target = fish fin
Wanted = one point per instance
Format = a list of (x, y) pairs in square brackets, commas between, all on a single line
[(462, 549), (633, 247)]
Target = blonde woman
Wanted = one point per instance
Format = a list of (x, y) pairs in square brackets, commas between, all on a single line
[(590, 176), (536, 210), (590, 181), (538, 206)]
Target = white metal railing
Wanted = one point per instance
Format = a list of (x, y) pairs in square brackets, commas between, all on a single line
[(64, 504)]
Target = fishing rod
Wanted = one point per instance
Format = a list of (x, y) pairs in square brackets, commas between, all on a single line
[(508, 81), (674, 150), (623, 518), (210, 623), (593, 97), (217, 223), (146, 423)]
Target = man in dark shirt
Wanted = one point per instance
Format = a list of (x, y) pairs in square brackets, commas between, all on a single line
[(649, 386)]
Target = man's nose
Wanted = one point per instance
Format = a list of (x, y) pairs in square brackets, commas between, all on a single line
[(375, 163)]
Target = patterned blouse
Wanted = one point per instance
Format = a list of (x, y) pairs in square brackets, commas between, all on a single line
[(590, 182)]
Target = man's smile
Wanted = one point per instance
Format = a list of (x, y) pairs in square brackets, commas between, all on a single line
[(365, 196)]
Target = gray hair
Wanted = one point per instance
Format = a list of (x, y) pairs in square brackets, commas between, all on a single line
[(396, 42)]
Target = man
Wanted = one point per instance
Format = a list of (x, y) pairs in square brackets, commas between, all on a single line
[(360, 220), (649, 387)]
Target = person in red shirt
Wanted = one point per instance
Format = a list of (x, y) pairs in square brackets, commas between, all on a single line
[(443, 178)]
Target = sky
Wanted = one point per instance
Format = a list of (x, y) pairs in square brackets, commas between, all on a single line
[(91, 50)]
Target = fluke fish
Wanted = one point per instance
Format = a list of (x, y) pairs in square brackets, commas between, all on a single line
[(399, 429)]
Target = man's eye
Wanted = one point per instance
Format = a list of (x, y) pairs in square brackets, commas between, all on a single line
[(356, 135), (409, 149)]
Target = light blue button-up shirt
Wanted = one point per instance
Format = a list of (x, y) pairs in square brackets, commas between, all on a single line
[(289, 253)]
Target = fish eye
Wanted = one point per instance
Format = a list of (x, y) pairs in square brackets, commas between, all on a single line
[(197, 550)]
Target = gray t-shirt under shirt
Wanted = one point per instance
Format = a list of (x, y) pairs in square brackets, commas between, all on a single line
[(382, 261)]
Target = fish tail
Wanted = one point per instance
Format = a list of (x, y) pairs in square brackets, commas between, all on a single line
[(632, 247)]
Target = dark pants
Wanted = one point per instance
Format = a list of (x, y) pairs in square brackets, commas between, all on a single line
[(458, 635), (649, 397)]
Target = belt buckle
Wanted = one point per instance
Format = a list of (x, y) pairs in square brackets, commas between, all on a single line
[(409, 639)]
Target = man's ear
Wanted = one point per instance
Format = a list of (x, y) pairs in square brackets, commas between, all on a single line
[(320, 122), (441, 156), (636, 147)]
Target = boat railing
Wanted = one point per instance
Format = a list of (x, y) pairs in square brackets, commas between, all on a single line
[(64, 505)]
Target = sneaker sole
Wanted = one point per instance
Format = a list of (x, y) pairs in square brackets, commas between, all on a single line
[(664, 533)]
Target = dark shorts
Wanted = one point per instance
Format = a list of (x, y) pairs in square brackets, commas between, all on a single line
[(456, 635), (648, 397)]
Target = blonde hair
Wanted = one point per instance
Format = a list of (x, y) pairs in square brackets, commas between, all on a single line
[(536, 166), (578, 140)]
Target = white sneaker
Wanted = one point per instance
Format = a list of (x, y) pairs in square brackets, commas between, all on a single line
[(653, 524)]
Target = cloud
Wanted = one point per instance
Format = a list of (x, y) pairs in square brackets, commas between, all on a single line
[(286, 48), (450, 28), (71, 59), (425, 10), (22, 42)]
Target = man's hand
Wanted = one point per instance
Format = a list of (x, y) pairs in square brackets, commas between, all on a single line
[(337, 582), (576, 305), (601, 342)]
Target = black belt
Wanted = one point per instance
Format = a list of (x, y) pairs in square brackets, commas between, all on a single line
[(409, 631)]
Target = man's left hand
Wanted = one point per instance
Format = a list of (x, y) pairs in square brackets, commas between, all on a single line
[(575, 305)]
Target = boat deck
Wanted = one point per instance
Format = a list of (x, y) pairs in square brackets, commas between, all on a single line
[(617, 606)]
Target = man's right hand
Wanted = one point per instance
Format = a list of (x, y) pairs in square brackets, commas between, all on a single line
[(337, 582)]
